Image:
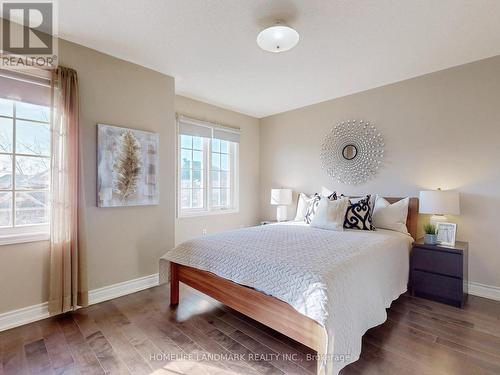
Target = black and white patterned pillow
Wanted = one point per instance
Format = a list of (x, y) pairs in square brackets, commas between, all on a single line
[(311, 210), (359, 215), (333, 196)]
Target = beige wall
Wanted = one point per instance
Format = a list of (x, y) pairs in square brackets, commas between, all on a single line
[(24, 275), (122, 243), (248, 214), (441, 130)]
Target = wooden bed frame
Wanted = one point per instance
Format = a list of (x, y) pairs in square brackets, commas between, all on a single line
[(261, 307)]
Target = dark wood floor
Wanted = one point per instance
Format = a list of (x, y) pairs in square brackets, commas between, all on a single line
[(140, 334)]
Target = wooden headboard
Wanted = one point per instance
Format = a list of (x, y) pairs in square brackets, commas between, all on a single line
[(412, 219)]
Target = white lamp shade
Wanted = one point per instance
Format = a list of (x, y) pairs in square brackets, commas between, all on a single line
[(439, 202), (281, 197)]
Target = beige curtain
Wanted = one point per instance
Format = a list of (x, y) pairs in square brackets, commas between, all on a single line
[(68, 284)]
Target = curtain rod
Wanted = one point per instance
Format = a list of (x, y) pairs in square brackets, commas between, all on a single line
[(207, 124)]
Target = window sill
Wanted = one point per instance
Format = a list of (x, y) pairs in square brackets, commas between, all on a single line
[(187, 215), (23, 238)]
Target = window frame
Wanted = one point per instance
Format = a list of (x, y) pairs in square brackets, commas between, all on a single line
[(233, 169), (24, 232)]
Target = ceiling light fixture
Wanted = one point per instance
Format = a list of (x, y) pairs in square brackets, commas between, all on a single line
[(278, 38)]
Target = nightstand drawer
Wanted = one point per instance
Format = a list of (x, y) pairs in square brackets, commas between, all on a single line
[(441, 287), (437, 261)]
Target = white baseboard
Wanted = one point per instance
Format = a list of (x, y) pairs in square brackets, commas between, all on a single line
[(121, 289), (16, 318), (486, 291), (19, 317)]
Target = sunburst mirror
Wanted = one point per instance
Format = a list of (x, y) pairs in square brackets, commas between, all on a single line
[(352, 152)]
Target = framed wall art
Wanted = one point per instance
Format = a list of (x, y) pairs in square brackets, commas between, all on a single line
[(127, 167)]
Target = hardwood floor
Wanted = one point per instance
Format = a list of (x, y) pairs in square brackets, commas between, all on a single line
[(140, 334)]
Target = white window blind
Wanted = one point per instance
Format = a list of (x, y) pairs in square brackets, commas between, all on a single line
[(24, 88), (193, 127)]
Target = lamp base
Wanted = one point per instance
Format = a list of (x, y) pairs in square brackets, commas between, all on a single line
[(281, 214), (435, 219)]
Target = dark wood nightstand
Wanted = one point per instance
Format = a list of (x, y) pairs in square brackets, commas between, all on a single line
[(439, 272)]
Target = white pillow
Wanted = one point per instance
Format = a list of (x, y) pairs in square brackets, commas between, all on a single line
[(331, 214), (391, 216), (302, 205)]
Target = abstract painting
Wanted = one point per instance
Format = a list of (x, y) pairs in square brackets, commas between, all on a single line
[(127, 167)]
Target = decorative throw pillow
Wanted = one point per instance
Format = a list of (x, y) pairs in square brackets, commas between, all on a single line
[(330, 214), (391, 216), (371, 201), (358, 215), (333, 196), (311, 209), (302, 205)]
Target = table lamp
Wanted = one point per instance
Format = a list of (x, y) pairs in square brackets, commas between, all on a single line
[(281, 198), (439, 203)]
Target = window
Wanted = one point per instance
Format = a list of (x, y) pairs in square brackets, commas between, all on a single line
[(192, 172), (25, 146), (208, 169), (220, 188)]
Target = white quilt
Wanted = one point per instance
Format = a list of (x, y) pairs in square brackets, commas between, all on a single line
[(342, 280)]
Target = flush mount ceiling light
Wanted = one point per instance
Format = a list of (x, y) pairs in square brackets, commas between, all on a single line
[(278, 38)]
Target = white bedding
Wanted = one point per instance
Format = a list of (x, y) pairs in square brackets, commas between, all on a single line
[(342, 280)]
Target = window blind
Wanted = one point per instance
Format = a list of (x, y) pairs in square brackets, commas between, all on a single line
[(226, 135), (25, 88), (190, 126)]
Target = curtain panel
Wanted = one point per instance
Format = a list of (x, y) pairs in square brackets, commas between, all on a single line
[(68, 277)]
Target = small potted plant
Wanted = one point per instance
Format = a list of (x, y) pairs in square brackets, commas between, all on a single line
[(430, 237)]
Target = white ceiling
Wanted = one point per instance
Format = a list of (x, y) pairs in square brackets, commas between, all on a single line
[(346, 46)]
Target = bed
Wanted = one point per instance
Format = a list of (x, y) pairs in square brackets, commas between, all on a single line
[(322, 288)]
